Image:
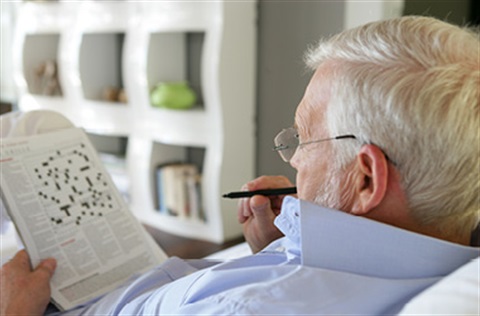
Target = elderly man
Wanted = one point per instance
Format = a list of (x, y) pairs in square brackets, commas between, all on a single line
[(385, 143)]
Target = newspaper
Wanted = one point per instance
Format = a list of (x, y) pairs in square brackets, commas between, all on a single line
[(64, 205)]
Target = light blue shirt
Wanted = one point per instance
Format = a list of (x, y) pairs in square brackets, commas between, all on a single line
[(329, 262)]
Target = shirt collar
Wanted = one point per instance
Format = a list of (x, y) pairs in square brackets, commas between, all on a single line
[(336, 240)]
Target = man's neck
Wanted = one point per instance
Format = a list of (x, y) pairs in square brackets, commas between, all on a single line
[(392, 214)]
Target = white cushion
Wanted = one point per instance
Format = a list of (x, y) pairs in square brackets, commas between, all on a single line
[(456, 294)]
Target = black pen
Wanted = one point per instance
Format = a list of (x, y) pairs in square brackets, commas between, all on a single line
[(244, 194)]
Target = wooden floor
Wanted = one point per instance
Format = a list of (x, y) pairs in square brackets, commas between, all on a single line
[(186, 248)]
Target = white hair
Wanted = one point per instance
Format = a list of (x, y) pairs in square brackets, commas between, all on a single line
[(411, 86)]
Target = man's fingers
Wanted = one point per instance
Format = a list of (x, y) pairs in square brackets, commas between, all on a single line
[(243, 213), (261, 207), (46, 267), (20, 260), (21, 263), (21, 255)]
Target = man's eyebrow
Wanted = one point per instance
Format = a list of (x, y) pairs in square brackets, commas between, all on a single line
[(302, 129), (297, 128)]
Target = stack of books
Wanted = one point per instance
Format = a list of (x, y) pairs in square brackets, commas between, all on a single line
[(179, 191)]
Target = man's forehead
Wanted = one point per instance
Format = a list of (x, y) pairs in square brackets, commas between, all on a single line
[(314, 101)]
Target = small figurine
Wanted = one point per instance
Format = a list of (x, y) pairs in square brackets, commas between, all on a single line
[(112, 94), (47, 78)]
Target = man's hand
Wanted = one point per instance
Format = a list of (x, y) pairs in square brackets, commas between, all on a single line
[(23, 291), (257, 213)]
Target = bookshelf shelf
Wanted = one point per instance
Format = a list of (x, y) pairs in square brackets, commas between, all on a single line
[(134, 46), (36, 102), (104, 117)]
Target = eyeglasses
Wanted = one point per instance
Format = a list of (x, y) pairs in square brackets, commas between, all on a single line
[(287, 141)]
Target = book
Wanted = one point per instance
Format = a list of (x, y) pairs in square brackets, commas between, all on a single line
[(64, 205), (178, 190)]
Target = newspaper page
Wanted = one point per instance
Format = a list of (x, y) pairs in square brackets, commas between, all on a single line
[(64, 205)]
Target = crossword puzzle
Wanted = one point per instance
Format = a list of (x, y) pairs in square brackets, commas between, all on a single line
[(70, 186)]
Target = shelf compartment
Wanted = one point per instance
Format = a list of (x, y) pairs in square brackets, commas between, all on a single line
[(180, 62), (146, 156), (181, 169), (100, 66), (40, 64), (115, 145)]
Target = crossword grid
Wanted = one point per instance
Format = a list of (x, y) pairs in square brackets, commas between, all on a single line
[(71, 188)]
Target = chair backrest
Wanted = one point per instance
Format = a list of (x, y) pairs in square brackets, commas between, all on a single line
[(456, 294), (18, 124)]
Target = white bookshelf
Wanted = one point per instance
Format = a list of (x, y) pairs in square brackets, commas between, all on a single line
[(134, 45)]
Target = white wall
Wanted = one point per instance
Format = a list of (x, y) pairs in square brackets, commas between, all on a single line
[(286, 29), (358, 12), (453, 11)]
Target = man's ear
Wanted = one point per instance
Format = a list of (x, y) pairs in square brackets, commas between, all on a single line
[(371, 179)]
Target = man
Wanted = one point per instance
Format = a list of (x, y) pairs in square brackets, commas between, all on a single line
[(387, 134)]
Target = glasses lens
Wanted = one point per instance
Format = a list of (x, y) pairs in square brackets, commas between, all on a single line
[(286, 143)]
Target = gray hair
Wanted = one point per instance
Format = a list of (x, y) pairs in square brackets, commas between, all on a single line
[(411, 86)]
